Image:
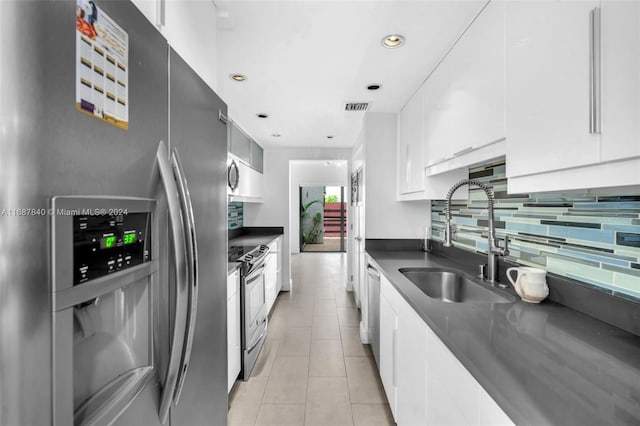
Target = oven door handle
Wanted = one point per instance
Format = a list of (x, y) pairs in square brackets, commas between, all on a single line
[(192, 251), (254, 272), (182, 279)]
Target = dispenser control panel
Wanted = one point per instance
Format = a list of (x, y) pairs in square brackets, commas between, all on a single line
[(104, 244)]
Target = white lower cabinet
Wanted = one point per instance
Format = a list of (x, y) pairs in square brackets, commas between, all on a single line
[(388, 349), (233, 328), (273, 273), (424, 382), (412, 346), (270, 281), (452, 396)]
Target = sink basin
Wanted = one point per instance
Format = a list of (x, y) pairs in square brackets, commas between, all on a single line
[(449, 285)]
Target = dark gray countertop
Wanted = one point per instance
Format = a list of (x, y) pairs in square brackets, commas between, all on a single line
[(248, 240), (542, 363), (232, 266)]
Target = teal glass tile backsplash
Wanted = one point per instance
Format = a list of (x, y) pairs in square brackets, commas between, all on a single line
[(235, 215), (593, 239)]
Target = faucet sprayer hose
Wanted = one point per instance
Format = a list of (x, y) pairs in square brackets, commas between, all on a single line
[(454, 188)]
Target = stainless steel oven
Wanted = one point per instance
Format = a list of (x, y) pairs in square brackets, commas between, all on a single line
[(255, 317), (252, 303)]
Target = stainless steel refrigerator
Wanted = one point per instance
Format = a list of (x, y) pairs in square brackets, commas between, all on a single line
[(48, 148)]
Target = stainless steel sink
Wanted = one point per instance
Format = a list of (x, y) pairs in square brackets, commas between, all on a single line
[(449, 285)]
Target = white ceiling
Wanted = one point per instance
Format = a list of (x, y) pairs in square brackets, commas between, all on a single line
[(305, 59)]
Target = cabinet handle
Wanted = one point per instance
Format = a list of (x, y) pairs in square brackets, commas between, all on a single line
[(160, 13), (223, 118), (395, 357), (434, 162), (408, 170), (463, 151), (594, 71)]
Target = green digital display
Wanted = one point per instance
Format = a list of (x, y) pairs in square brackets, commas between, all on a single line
[(109, 241), (130, 238)]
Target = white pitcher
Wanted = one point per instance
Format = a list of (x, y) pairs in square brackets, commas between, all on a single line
[(530, 283)]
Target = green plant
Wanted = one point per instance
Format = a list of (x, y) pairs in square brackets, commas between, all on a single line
[(315, 228), (331, 198), (304, 209), (308, 237)]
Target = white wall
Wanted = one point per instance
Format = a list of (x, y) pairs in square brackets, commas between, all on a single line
[(312, 173), (384, 216), (356, 226), (275, 209)]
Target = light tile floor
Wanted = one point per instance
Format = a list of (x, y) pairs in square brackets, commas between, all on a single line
[(313, 370)]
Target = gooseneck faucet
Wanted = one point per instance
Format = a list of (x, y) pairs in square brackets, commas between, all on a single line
[(493, 250)]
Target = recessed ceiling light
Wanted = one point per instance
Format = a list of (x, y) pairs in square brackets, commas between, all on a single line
[(374, 86), (262, 115), (276, 135), (238, 77), (392, 41)]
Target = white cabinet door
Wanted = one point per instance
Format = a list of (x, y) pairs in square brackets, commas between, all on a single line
[(250, 184), (452, 394), (464, 98), (547, 86), (423, 380), (412, 346), (411, 141), (490, 413), (270, 281), (620, 53), (275, 250), (279, 264), (190, 29), (151, 9), (233, 328), (388, 348)]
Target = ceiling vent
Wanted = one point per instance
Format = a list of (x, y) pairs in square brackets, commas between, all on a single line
[(356, 106)]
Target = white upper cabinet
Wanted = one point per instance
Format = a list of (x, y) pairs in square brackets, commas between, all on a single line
[(547, 81), (190, 29), (620, 79), (456, 118), (410, 146), (464, 106), (573, 86), (250, 184), (151, 9)]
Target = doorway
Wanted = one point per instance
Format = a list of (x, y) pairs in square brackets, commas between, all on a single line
[(323, 219)]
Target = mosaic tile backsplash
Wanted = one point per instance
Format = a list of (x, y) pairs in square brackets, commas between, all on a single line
[(235, 215), (593, 239)]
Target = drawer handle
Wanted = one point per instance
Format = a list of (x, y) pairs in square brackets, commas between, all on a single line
[(463, 151)]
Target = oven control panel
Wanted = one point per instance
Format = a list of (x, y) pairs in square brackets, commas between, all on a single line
[(104, 244)]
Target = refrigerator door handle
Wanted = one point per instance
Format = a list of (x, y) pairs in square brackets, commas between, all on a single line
[(182, 276), (192, 250)]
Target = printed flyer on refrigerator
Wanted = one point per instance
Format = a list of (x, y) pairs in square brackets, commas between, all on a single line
[(102, 72)]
